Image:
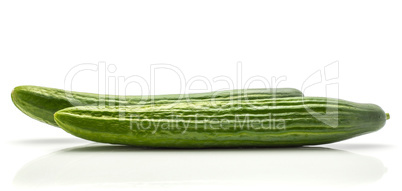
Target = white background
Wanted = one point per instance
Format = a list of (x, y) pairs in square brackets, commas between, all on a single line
[(41, 41)]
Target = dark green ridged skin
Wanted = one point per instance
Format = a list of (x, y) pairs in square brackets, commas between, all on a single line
[(280, 122), (41, 103)]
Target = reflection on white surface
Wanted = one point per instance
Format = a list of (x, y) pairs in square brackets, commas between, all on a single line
[(97, 165)]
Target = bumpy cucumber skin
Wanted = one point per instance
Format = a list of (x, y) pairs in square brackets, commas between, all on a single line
[(41, 103), (117, 125)]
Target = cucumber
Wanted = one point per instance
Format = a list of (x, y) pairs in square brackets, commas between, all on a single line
[(41, 103), (279, 122)]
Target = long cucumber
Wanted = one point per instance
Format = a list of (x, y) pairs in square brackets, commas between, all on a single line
[(41, 103), (260, 122)]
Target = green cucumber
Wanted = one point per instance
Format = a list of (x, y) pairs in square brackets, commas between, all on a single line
[(41, 103), (279, 122)]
